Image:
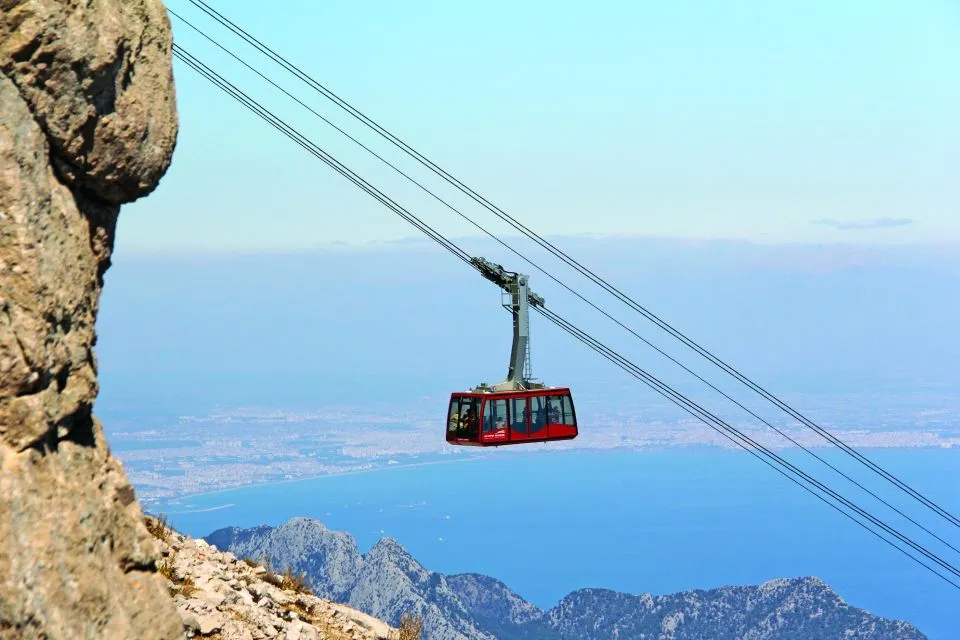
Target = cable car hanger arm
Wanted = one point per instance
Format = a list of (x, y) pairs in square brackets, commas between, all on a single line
[(516, 285)]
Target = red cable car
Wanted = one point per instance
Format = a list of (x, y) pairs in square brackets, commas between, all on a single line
[(518, 410)]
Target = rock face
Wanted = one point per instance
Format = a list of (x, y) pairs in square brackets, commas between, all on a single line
[(388, 581), (96, 75), (218, 595), (87, 122), (330, 558)]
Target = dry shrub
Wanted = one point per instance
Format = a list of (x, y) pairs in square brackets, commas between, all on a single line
[(271, 578), (288, 581), (250, 563), (411, 627), (330, 631), (158, 527), (187, 587), (165, 568), (296, 582)]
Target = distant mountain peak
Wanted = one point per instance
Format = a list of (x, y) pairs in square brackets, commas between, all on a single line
[(387, 544), (390, 548), (302, 521), (780, 583)]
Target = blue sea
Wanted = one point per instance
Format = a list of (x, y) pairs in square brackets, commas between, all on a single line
[(657, 522)]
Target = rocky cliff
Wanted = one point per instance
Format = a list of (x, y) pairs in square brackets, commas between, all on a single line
[(387, 581), (87, 123)]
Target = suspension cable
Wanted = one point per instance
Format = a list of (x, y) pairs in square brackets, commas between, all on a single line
[(703, 416), (564, 285), (571, 262), (315, 150), (674, 396)]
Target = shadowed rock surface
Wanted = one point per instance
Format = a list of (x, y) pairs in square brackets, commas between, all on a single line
[(388, 581), (87, 122)]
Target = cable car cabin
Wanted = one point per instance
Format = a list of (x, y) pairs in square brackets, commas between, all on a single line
[(511, 417), (519, 409)]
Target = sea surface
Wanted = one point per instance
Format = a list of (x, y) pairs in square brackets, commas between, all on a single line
[(658, 521)]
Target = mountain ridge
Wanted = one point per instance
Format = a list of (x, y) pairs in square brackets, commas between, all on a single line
[(388, 580)]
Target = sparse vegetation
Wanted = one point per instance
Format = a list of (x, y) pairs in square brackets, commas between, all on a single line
[(411, 628), (331, 632), (296, 582), (165, 568), (288, 581), (300, 608), (187, 587), (271, 578), (306, 613), (158, 527), (181, 558), (243, 616)]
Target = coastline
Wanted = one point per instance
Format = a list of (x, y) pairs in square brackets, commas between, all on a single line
[(531, 454)]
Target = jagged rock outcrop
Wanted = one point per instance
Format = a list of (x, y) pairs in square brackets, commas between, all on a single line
[(388, 581), (219, 595), (87, 122), (330, 558), (392, 582)]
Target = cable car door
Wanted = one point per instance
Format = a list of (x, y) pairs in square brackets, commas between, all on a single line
[(494, 422), (519, 419), (560, 417)]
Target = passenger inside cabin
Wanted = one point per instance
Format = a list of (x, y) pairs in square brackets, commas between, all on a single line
[(471, 422), (554, 415)]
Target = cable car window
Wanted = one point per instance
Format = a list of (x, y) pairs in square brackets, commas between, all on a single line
[(495, 415), (470, 416), (568, 416), (560, 410), (538, 413), (453, 418), (518, 415), (554, 410)]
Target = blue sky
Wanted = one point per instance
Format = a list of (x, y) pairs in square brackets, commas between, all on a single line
[(788, 121)]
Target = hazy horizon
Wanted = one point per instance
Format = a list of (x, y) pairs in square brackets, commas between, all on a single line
[(800, 318)]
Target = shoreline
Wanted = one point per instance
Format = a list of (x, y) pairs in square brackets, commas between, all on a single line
[(480, 456), (308, 478)]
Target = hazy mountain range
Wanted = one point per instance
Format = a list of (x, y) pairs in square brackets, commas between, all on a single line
[(387, 581), (185, 333)]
